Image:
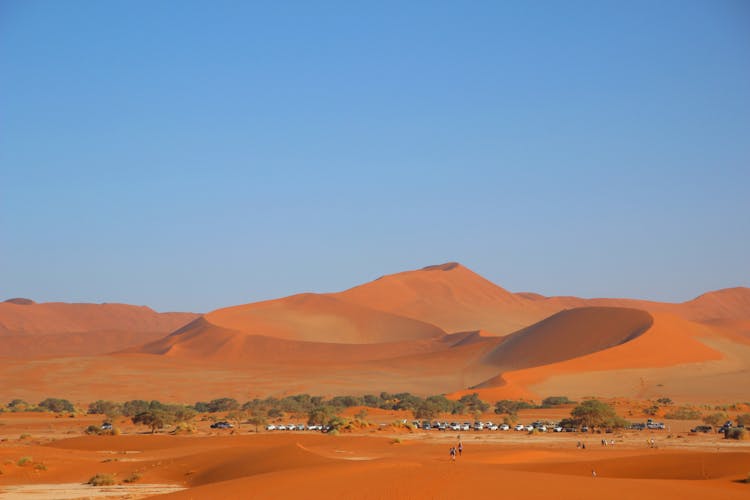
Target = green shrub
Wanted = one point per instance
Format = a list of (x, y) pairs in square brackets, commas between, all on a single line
[(595, 413), (56, 405), (102, 480), (715, 419), (40, 467), (24, 461), (736, 433), (743, 419), (556, 401), (507, 406)]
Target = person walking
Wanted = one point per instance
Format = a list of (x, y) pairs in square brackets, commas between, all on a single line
[(453, 453), (460, 448)]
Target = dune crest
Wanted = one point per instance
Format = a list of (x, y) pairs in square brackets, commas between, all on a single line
[(450, 296)]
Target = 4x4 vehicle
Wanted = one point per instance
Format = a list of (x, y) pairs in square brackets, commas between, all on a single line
[(221, 425)]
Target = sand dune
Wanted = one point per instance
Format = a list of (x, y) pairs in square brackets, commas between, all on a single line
[(320, 318), (569, 334), (203, 340), (725, 304), (670, 342), (386, 335), (451, 297), (28, 329)]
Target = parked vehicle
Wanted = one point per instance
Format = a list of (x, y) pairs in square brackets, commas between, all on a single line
[(519, 427), (504, 427), (106, 426), (221, 425)]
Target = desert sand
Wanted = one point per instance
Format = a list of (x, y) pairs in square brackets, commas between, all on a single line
[(369, 464)]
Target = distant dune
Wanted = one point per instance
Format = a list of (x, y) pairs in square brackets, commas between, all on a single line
[(450, 296), (321, 318), (439, 329), (28, 329)]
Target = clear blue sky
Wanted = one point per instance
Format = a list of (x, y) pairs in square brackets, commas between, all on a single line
[(192, 155)]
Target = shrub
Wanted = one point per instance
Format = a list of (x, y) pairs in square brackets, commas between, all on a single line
[(428, 410), (56, 405), (651, 410), (556, 401), (155, 419), (134, 407), (594, 413), (736, 433), (683, 413), (24, 461), (101, 480), (40, 467), (472, 403), (18, 405), (664, 401), (322, 415), (507, 406), (132, 478), (715, 419), (743, 419), (92, 430), (217, 405), (184, 428), (24, 436), (108, 408)]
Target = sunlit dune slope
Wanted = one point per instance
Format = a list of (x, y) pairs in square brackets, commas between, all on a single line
[(449, 296), (202, 339), (28, 329), (724, 304), (320, 318)]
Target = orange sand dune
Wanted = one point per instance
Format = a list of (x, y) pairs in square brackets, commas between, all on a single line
[(28, 329), (569, 334), (320, 318), (671, 341), (725, 304), (450, 296), (203, 340)]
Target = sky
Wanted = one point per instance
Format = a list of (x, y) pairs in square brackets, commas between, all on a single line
[(194, 155)]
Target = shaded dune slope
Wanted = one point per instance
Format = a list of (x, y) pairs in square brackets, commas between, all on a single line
[(569, 334)]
